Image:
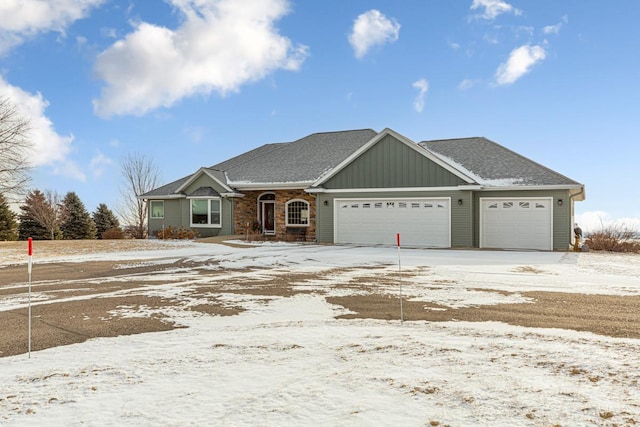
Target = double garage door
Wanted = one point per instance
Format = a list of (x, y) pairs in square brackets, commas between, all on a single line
[(420, 222), (516, 223), (505, 223)]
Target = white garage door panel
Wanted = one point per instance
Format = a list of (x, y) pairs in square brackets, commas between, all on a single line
[(516, 223), (420, 222)]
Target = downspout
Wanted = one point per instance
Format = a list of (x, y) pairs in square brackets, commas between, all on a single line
[(576, 194), (573, 218)]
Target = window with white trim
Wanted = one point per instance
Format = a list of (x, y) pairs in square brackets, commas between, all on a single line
[(206, 213), (157, 209), (297, 213)]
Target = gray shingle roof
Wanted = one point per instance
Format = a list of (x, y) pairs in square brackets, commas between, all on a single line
[(301, 161), (491, 164), (204, 192), (167, 189), (307, 159), (304, 160), (254, 154)]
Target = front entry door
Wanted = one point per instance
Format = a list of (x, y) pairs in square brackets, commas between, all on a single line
[(268, 217)]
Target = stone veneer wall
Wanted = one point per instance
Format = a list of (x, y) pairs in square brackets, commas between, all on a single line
[(245, 211)]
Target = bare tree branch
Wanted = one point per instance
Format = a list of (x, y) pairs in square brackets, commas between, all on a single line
[(140, 175), (47, 211), (14, 151)]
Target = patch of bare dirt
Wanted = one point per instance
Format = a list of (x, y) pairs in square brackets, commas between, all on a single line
[(615, 316), (71, 271), (73, 322), (109, 288)]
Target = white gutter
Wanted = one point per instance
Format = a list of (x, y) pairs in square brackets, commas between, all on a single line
[(388, 190)]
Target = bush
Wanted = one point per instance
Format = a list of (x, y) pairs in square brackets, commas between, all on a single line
[(113, 234), (177, 233), (613, 239)]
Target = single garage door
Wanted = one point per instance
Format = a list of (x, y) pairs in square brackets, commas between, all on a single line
[(420, 222), (516, 223)]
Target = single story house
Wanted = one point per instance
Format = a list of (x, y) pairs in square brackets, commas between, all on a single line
[(363, 187)]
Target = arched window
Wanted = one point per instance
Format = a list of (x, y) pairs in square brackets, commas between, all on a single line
[(297, 213)]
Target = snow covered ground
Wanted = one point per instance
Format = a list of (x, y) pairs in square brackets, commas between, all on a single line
[(290, 362)]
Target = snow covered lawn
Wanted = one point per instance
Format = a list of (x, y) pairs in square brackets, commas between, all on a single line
[(290, 360)]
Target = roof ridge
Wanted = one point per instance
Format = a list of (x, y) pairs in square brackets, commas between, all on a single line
[(337, 131), (454, 139)]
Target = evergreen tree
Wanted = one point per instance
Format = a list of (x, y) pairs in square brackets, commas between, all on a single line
[(30, 226), (104, 220), (8, 223), (76, 221)]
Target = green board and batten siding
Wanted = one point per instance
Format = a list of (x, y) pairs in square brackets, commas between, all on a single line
[(392, 164)]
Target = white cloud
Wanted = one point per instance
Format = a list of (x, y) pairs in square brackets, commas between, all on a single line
[(99, 164), (599, 220), (519, 63), (555, 29), (49, 148), (195, 133), (493, 8), (423, 86), (23, 19), (466, 84), (218, 47), (70, 169), (109, 32), (552, 29), (371, 29)]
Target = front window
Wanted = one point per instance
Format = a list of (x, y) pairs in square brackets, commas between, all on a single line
[(297, 213), (157, 209), (206, 212)]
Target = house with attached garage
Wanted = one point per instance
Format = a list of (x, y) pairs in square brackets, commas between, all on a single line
[(362, 187)]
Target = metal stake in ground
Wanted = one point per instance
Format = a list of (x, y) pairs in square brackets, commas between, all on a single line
[(30, 251), (399, 275)]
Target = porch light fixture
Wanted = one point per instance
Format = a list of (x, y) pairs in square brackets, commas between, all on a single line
[(326, 203), (460, 202), (560, 202)]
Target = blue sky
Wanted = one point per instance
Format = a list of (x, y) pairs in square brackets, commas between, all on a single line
[(190, 83)]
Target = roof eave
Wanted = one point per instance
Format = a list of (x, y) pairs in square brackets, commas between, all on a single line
[(532, 187), (392, 189), (162, 197)]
